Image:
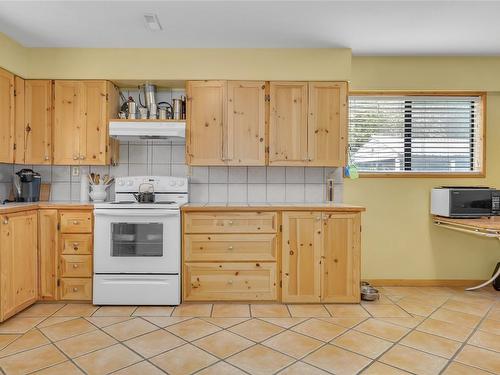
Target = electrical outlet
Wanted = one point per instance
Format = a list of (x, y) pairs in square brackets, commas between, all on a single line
[(75, 171)]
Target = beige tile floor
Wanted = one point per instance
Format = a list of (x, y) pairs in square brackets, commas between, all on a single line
[(409, 330)]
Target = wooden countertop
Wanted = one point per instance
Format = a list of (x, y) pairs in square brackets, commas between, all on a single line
[(492, 222), (334, 207), (9, 208)]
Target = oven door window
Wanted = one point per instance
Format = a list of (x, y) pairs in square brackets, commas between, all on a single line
[(136, 239)]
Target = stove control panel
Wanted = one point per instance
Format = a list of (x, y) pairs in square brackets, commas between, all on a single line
[(161, 184)]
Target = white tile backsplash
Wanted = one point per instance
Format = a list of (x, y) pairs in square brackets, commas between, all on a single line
[(238, 175), (217, 193), (256, 175), (275, 175), (218, 184), (237, 193), (217, 175)]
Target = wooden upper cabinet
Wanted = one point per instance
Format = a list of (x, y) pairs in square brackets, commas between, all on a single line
[(93, 136), (301, 256), (19, 121), (341, 258), (327, 123), (6, 116), (206, 122), (246, 123), (68, 121), (81, 113), (288, 123), (18, 262), (38, 122)]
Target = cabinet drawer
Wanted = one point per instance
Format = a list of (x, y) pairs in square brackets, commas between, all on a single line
[(229, 247), (76, 265), (76, 289), (229, 281), (76, 244), (76, 222), (230, 222)]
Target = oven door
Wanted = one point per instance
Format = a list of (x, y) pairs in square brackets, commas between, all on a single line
[(137, 241)]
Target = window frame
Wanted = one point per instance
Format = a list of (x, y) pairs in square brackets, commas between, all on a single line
[(479, 174)]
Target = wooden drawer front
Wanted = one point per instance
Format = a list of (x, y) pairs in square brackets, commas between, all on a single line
[(76, 289), (229, 247), (76, 222), (230, 222), (73, 244), (76, 265), (229, 281)]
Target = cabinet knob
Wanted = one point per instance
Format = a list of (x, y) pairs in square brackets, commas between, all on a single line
[(318, 218), (230, 248), (75, 289), (82, 157), (6, 220), (46, 157), (76, 222), (230, 222), (76, 244), (230, 282), (75, 157), (75, 265)]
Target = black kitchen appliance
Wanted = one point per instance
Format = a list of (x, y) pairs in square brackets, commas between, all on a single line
[(27, 186)]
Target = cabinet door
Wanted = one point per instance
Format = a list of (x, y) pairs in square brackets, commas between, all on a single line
[(246, 123), (327, 125), (38, 118), (341, 258), (206, 123), (68, 121), (6, 117), (301, 256), (19, 121), (94, 135), (288, 123), (113, 107), (48, 245), (18, 262)]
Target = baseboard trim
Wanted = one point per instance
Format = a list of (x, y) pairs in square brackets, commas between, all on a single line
[(424, 282)]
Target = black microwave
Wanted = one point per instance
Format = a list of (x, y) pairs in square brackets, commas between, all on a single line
[(465, 201)]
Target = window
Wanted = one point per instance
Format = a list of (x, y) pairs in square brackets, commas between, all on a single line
[(416, 134)]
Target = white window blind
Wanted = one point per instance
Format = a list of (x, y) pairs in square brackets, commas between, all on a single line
[(416, 133)]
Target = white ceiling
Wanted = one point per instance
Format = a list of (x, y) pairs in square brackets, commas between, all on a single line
[(367, 27)]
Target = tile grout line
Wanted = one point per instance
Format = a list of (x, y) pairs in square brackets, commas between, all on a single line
[(465, 342)]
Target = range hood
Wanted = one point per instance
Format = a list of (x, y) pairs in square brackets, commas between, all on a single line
[(133, 130)]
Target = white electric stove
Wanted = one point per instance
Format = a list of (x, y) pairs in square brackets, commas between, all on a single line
[(137, 246)]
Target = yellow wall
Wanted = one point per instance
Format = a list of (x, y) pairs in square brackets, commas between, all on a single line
[(175, 64), (399, 240), (13, 56)]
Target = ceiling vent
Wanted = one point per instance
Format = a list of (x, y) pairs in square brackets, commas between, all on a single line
[(152, 22)]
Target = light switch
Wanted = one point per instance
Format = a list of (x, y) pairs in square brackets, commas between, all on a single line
[(75, 171)]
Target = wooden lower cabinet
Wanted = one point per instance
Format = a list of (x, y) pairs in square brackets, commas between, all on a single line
[(230, 281), (65, 254), (18, 262), (48, 243), (301, 256), (312, 256), (341, 258), (76, 289), (321, 257), (75, 255)]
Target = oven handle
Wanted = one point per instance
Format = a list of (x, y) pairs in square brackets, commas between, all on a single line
[(136, 213)]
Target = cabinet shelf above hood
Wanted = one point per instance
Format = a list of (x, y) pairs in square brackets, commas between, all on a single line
[(132, 130)]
